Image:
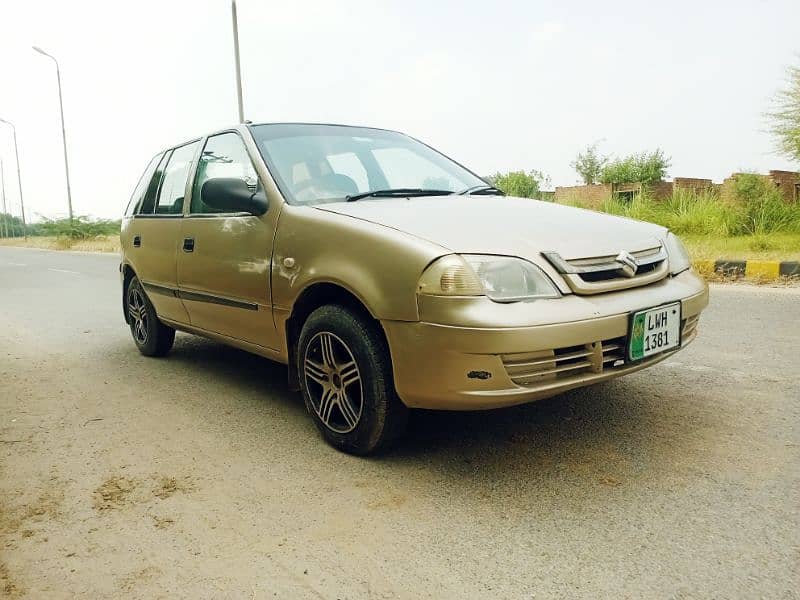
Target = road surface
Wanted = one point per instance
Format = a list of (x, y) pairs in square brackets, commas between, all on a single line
[(200, 475)]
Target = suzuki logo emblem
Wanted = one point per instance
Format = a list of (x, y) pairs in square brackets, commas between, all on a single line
[(628, 262)]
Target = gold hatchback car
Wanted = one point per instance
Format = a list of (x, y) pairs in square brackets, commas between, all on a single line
[(388, 277)]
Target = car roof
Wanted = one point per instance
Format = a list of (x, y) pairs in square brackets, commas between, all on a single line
[(240, 126), (249, 124)]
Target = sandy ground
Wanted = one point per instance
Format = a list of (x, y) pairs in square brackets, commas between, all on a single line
[(201, 476)]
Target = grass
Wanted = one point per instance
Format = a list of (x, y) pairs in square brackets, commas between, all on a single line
[(776, 246), (100, 243)]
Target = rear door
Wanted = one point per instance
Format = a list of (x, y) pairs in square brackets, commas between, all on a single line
[(151, 240), (225, 258)]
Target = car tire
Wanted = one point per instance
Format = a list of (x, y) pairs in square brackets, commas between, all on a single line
[(150, 335), (346, 380)]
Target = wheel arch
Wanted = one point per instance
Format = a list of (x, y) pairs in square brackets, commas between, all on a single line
[(311, 298), (127, 275)]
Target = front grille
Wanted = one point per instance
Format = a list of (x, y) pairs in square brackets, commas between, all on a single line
[(599, 274), (528, 369)]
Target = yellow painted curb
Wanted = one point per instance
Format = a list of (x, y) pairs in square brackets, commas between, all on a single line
[(766, 269)]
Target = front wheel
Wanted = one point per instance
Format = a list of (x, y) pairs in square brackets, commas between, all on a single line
[(346, 380), (150, 335)]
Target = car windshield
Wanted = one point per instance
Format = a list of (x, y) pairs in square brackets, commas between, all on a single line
[(314, 164)]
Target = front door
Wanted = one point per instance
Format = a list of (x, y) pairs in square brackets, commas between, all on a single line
[(224, 258)]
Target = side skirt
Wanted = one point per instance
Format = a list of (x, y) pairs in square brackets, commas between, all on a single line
[(224, 339)]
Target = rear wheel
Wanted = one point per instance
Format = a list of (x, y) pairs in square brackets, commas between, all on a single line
[(346, 380), (150, 335)]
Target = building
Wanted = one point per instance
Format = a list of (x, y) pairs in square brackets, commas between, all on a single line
[(592, 196)]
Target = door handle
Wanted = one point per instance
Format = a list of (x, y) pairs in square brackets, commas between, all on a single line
[(137, 241), (188, 244)]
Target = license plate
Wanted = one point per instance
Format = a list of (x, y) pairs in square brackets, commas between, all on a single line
[(654, 330)]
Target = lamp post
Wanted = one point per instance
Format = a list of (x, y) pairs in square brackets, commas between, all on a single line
[(63, 129), (236, 60), (19, 177), (3, 195)]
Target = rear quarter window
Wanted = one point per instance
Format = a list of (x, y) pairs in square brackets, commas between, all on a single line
[(145, 206), (141, 187)]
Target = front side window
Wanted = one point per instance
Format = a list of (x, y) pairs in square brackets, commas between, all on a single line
[(173, 185), (327, 163), (224, 156)]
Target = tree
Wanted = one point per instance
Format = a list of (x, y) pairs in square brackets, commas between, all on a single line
[(520, 183), (645, 167), (11, 226), (784, 118), (589, 164)]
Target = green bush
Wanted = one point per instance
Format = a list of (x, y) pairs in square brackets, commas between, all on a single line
[(81, 228), (590, 164), (645, 167), (760, 208), (696, 212), (520, 183), (11, 226)]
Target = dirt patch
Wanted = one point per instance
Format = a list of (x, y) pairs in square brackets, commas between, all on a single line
[(610, 481), (117, 492), (114, 493), (132, 580), (389, 501), (46, 506), (11, 589), (168, 486), (162, 522)]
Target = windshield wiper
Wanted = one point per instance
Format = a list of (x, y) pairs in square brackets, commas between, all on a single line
[(399, 192), (488, 190)]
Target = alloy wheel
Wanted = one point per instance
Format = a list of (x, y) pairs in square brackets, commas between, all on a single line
[(138, 314), (333, 382)]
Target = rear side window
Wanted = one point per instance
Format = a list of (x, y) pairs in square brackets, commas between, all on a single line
[(148, 202), (173, 185), (141, 187)]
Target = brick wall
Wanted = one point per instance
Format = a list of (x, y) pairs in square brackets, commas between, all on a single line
[(661, 190), (591, 196), (692, 183), (787, 182)]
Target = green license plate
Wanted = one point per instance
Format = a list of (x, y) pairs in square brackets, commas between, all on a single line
[(654, 330)]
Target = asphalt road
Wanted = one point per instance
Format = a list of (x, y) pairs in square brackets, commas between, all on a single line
[(200, 476)]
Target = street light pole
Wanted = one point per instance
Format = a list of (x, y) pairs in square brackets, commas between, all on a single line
[(19, 177), (63, 129), (236, 59), (3, 195)]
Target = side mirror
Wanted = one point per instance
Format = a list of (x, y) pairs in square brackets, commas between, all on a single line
[(233, 195)]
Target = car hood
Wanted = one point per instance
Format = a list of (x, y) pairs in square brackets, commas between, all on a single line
[(505, 225)]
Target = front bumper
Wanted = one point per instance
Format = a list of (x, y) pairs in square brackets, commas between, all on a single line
[(572, 341)]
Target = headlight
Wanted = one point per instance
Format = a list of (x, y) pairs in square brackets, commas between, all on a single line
[(501, 278), (679, 259)]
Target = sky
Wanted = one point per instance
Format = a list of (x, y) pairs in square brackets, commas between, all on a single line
[(498, 86)]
